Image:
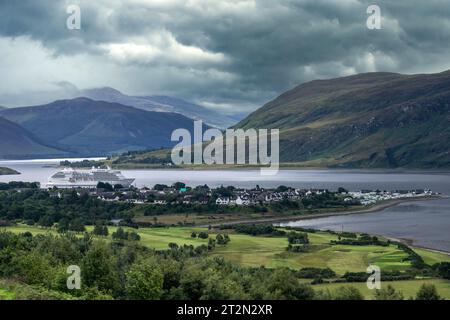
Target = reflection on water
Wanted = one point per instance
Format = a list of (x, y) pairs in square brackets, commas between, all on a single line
[(425, 222)]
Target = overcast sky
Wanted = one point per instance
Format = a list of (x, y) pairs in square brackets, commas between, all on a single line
[(232, 55)]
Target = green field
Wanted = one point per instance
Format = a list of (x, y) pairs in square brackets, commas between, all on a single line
[(408, 288), (255, 251)]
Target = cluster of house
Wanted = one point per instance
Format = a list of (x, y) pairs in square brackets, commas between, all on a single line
[(245, 197), (239, 197), (191, 196), (368, 197)]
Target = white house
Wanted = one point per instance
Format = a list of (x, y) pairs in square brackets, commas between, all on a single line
[(222, 201)]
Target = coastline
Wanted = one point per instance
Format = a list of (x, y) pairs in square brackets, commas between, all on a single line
[(410, 243), (375, 208), (371, 209)]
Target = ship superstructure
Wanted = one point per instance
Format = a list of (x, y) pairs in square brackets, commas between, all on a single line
[(71, 178)]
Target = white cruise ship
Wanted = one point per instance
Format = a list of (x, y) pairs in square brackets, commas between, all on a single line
[(70, 178)]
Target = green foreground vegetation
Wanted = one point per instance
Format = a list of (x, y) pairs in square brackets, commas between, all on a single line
[(44, 232), (269, 251)]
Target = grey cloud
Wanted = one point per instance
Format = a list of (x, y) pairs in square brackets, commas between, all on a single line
[(267, 46)]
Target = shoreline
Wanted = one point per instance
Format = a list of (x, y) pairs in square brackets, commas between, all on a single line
[(282, 166), (372, 209), (410, 243)]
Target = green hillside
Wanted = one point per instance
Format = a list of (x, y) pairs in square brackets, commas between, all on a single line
[(367, 120)]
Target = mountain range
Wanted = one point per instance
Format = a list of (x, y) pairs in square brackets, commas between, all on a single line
[(160, 104), (371, 120), (86, 127), (67, 91), (366, 120)]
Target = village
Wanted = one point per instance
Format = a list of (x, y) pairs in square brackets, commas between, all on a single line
[(179, 193)]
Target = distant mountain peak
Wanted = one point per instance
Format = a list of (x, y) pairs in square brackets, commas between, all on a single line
[(161, 103)]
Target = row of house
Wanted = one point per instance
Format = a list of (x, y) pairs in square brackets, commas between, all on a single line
[(239, 197), (255, 196)]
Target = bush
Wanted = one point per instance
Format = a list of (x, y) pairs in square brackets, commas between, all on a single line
[(203, 235), (258, 229), (144, 281), (298, 238), (388, 293), (347, 293), (314, 273), (443, 269), (121, 234), (428, 292)]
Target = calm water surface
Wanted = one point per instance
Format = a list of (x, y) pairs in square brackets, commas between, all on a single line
[(426, 223)]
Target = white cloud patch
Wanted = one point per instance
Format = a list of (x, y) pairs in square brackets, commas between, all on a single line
[(159, 48)]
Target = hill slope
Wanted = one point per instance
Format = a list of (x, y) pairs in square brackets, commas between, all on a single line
[(88, 127), (161, 104), (16, 142), (366, 120)]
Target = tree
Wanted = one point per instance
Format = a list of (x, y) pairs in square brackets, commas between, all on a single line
[(77, 225), (192, 282), (100, 230), (194, 234), (281, 189), (120, 234), (144, 281), (283, 284), (133, 236), (222, 239), (347, 293), (388, 293), (63, 225), (428, 292), (203, 235), (342, 190), (160, 187), (97, 268), (443, 269), (33, 268), (178, 185), (105, 186)]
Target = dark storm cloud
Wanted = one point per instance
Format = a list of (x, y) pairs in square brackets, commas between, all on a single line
[(230, 53)]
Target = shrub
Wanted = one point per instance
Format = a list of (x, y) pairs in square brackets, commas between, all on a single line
[(347, 293), (428, 292)]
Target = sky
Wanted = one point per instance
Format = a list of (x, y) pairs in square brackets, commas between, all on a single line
[(232, 56)]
